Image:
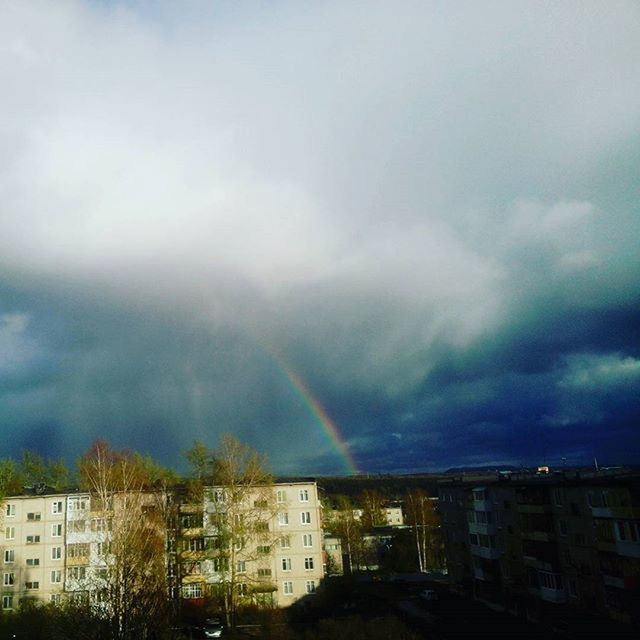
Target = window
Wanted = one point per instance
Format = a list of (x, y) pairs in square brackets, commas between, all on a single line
[(33, 539), (33, 562), (191, 521), (549, 580), (242, 589), (311, 586), (307, 540), (220, 564), (100, 525), (281, 496), (194, 544), (283, 518), (264, 573), (104, 548), (304, 495), (562, 525), (264, 549), (80, 550), (219, 495), (35, 516), (286, 564), (56, 530), (287, 588), (7, 602), (32, 586), (305, 517), (56, 507), (262, 527), (557, 497), (473, 539), (77, 504), (241, 566), (192, 568), (260, 504), (9, 533), (55, 598), (9, 579), (77, 573), (56, 576), (192, 591), (56, 553), (10, 510), (308, 564), (77, 526), (9, 556), (285, 542)]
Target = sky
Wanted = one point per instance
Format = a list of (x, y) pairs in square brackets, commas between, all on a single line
[(360, 236)]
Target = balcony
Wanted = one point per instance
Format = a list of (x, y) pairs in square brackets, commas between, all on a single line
[(553, 595), (536, 563), (486, 553), (622, 513), (487, 529), (482, 505), (613, 581)]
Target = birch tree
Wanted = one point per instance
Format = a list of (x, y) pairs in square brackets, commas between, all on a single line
[(127, 581), (421, 516), (240, 508)]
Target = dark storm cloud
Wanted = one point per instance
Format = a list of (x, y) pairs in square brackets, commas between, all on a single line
[(427, 212)]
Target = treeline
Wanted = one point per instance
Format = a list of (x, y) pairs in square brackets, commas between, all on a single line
[(33, 472)]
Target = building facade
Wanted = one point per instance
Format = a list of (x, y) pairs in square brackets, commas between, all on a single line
[(546, 546), (33, 549), (267, 547)]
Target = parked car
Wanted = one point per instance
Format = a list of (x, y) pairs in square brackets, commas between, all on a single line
[(429, 595), (213, 628)]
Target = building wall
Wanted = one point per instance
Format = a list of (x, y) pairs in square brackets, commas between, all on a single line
[(33, 549), (281, 564), (546, 546), (61, 546)]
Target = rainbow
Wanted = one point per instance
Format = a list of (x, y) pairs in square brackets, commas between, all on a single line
[(318, 412)]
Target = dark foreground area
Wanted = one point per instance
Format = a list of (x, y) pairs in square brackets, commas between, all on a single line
[(365, 608)]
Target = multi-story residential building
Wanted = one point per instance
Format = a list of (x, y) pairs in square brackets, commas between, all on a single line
[(33, 548), (267, 546), (546, 545), (62, 543)]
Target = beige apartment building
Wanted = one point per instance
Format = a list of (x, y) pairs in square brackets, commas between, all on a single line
[(33, 549), (265, 545), (59, 544)]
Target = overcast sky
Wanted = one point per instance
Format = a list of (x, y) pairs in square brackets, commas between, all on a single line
[(428, 211)]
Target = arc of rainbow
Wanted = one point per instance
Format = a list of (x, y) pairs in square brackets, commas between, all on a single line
[(318, 412)]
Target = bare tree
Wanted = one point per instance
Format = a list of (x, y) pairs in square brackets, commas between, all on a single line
[(372, 503), (240, 506), (344, 523), (423, 519), (127, 581)]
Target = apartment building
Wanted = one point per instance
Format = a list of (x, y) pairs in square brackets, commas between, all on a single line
[(265, 544), (63, 544), (33, 549), (546, 546)]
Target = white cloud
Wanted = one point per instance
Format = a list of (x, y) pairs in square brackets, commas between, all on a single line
[(594, 372)]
